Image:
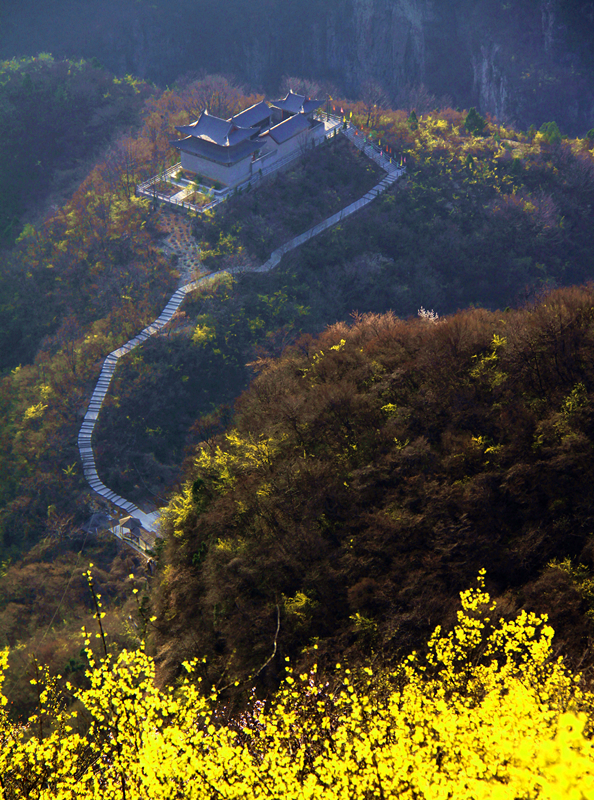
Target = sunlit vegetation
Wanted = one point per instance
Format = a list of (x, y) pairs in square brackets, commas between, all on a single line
[(484, 712), (45, 599), (482, 220), (370, 472)]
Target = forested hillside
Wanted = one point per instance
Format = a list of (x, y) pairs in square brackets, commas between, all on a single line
[(374, 465), (55, 118), (488, 218), (370, 472)]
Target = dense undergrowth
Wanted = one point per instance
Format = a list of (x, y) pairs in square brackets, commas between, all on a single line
[(484, 712), (197, 368), (55, 116), (370, 472), (323, 181), (483, 220)]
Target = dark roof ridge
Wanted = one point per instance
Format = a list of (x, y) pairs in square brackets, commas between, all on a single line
[(297, 103)]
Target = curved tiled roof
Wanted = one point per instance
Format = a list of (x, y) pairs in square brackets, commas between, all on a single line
[(229, 141), (297, 104), (288, 128), (224, 133)]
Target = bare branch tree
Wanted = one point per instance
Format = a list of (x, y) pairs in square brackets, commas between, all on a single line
[(214, 93), (374, 98), (416, 97), (304, 86)]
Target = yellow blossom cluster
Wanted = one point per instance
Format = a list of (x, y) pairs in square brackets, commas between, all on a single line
[(486, 713)]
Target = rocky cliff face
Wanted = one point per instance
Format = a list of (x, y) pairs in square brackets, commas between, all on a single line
[(525, 60)]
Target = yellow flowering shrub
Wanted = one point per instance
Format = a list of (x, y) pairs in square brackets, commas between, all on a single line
[(486, 713)]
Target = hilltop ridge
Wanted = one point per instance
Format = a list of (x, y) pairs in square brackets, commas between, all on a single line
[(369, 472)]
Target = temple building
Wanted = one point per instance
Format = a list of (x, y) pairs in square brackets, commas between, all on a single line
[(231, 151)]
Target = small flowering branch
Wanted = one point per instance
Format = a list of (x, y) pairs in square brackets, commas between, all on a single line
[(37, 682), (98, 615), (429, 316), (116, 716), (143, 606)]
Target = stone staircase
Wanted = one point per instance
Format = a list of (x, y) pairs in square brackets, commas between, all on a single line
[(180, 242)]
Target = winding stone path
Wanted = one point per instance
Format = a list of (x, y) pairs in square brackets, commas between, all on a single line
[(150, 521), (85, 447)]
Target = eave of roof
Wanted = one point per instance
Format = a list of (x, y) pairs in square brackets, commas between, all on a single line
[(224, 133), (311, 105), (207, 127)]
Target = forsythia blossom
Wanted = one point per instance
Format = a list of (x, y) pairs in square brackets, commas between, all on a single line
[(486, 713)]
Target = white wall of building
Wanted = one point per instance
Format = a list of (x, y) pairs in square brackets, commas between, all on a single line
[(318, 133), (228, 176)]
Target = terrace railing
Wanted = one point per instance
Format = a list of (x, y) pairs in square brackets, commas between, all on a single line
[(147, 188)]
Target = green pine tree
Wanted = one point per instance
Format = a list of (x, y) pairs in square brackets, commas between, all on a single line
[(474, 123), (551, 132)]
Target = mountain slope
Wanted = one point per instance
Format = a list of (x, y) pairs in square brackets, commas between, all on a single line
[(371, 472)]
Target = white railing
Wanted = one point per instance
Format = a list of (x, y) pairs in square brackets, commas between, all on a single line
[(371, 150), (161, 176), (180, 202), (331, 123)]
